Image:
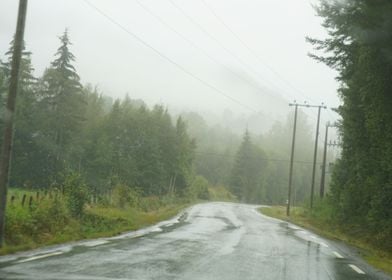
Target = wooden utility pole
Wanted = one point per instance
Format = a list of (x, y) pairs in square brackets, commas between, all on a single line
[(296, 105), (324, 167), (9, 114), (315, 153), (322, 183), (292, 157)]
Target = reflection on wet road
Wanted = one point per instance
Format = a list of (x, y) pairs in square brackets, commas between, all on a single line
[(209, 241)]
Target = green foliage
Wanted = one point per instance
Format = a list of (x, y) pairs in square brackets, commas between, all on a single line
[(49, 221), (217, 147), (246, 180), (123, 196), (359, 48), (220, 193), (199, 188), (76, 194), (61, 125), (35, 224)]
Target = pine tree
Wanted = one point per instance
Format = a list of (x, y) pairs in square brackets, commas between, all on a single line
[(247, 173), (24, 146), (63, 103), (359, 48)]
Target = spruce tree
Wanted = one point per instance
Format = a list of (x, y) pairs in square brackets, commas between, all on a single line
[(24, 146), (63, 103), (359, 48), (246, 179)]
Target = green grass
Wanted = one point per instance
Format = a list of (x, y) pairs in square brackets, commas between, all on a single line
[(304, 218), (49, 222)]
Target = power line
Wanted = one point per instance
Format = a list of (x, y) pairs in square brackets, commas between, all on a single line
[(209, 35), (250, 157), (162, 55), (251, 51), (204, 52)]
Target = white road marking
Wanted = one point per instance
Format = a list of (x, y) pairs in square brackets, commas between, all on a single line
[(339, 256), (95, 243), (158, 229), (356, 269), (323, 244), (40, 257)]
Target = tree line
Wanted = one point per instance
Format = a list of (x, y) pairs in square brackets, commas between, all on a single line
[(255, 166), (64, 127), (359, 48)]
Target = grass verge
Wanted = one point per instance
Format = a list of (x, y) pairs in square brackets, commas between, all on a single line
[(37, 219), (300, 216), (30, 230)]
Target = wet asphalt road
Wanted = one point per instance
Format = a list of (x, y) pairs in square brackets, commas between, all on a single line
[(208, 241)]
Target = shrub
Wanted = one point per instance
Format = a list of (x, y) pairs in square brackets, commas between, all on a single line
[(50, 215), (220, 193), (76, 194), (150, 203), (199, 188), (124, 196)]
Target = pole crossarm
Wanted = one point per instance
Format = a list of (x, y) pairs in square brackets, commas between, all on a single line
[(308, 105)]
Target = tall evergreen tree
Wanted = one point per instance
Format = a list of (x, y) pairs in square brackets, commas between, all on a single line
[(246, 180), (22, 165), (63, 104), (359, 48)]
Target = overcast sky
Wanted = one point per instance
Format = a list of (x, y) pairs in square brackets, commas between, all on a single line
[(242, 55)]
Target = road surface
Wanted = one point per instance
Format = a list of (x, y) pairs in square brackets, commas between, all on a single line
[(208, 241)]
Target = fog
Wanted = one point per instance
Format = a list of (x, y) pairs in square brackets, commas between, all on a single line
[(221, 57)]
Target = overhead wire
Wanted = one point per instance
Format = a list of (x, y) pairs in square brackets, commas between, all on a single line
[(254, 157), (183, 69), (220, 44), (165, 57), (204, 52), (254, 54), (208, 34), (251, 51)]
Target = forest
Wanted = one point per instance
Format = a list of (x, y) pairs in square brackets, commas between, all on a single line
[(64, 127), (359, 48)]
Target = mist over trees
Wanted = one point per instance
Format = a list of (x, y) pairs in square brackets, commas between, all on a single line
[(63, 127), (359, 48), (255, 166)]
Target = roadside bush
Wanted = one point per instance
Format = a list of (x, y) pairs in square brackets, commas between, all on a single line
[(42, 221), (50, 216), (19, 222), (150, 203), (199, 188), (220, 193), (124, 196), (76, 193)]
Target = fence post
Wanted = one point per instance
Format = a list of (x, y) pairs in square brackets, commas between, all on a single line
[(30, 201), (23, 200)]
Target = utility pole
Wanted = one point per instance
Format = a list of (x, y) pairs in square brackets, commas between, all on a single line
[(292, 156), (296, 105), (322, 184), (315, 153), (324, 166), (9, 114)]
